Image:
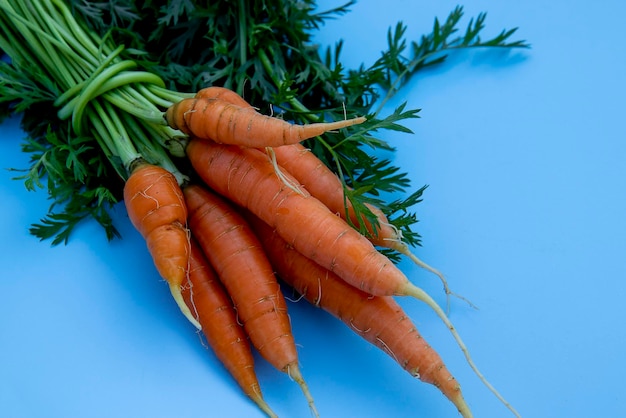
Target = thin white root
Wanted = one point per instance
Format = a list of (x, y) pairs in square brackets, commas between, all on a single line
[(318, 299), (286, 180), (294, 372), (178, 298), (396, 231), (361, 331), (263, 406), (189, 285), (300, 297), (386, 349), (420, 294), (404, 249)]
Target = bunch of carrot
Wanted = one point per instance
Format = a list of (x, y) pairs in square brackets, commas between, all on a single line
[(260, 205), (244, 204)]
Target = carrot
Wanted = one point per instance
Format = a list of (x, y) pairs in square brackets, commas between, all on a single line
[(248, 179), (242, 266), (224, 122), (322, 183), (156, 208), (216, 92), (378, 319), (213, 309)]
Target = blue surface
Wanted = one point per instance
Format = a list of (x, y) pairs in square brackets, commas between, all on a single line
[(525, 214)]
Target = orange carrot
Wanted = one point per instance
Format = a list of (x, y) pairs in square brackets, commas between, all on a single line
[(213, 308), (322, 183), (242, 266), (216, 92), (378, 319), (222, 121), (156, 208), (248, 179)]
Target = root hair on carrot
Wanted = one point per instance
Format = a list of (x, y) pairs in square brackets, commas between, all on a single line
[(289, 182), (360, 331), (193, 309), (190, 111), (203, 341), (185, 308), (295, 300), (398, 232), (318, 299), (387, 350)]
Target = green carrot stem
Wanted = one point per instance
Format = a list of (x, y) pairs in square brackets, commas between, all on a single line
[(119, 141), (74, 90)]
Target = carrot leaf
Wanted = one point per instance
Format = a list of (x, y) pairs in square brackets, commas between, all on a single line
[(86, 122)]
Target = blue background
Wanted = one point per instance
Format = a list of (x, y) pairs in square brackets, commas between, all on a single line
[(524, 154)]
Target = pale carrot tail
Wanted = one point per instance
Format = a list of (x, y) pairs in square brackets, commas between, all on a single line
[(315, 129), (169, 246), (178, 298), (402, 248), (463, 407), (263, 406), (294, 372), (416, 292)]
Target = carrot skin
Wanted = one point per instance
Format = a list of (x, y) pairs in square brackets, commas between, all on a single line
[(380, 320), (247, 178), (243, 268), (222, 121), (153, 198), (156, 208), (240, 261), (171, 245), (213, 308)]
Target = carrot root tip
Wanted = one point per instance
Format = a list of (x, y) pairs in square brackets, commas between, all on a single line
[(463, 408), (178, 298), (263, 406), (294, 372), (340, 124)]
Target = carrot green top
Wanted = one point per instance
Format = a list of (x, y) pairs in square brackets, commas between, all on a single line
[(91, 84)]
